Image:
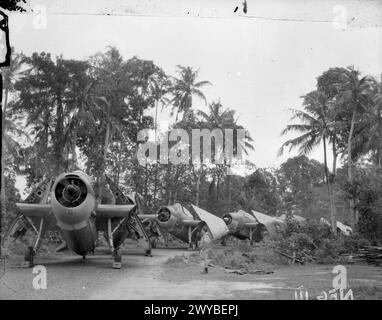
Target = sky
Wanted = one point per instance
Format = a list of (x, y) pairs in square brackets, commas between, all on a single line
[(258, 66)]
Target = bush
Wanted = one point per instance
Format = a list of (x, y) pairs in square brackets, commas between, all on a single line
[(314, 241)]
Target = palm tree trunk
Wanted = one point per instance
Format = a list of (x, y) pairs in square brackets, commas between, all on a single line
[(353, 210), (334, 150), (217, 187), (379, 147), (119, 162), (168, 184), (197, 197), (146, 189), (229, 186), (331, 181), (3, 198), (74, 153), (106, 145), (328, 184), (156, 160), (59, 135)]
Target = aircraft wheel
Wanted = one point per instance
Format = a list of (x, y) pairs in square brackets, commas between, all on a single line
[(28, 258), (154, 243), (117, 256), (194, 246)]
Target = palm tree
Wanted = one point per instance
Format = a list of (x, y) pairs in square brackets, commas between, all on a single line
[(316, 127), (86, 108), (217, 118), (159, 87), (185, 88), (8, 143), (368, 134), (354, 96)]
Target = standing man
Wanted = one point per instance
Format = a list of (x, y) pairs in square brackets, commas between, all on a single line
[(204, 245)]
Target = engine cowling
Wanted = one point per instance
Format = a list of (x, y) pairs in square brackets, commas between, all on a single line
[(167, 218), (231, 223), (73, 200)]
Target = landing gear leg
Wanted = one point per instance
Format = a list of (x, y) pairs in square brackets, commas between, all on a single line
[(31, 251), (148, 253), (28, 258), (117, 255), (116, 252), (251, 237), (190, 244), (224, 241), (154, 242)]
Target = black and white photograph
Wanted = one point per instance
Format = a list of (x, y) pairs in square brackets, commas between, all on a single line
[(208, 150)]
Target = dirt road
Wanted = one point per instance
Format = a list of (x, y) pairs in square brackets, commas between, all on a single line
[(69, 277)]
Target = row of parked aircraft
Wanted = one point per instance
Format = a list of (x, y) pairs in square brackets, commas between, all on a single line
[(69, 204)]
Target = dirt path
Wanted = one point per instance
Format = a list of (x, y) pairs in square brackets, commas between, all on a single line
[(69, 277)]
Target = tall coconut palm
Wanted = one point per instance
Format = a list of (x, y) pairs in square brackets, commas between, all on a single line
[(159, 87), (219, 118), (354, 96), (315, 129), (368, 132), (185, 88)]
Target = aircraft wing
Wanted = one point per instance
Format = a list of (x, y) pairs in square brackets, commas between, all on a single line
[(272, 224), (34, 209), (109, 211), (191, 223), (216, 225), (346, 230)]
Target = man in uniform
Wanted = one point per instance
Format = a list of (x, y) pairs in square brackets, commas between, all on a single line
[(204, 245)]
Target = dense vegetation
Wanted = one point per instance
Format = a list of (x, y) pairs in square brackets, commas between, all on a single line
[(62, 114)]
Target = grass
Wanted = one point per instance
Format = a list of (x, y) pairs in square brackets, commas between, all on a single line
[(238, 256)]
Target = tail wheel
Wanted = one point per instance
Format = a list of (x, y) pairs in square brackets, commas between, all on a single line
[(29, 255), (117, 254)]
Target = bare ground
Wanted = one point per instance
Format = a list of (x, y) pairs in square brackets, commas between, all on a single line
[(141, 277)]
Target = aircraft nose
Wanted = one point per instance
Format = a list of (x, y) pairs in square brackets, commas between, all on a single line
[(164, 214), (227, 219)]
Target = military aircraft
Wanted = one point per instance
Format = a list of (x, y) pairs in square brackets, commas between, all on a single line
[(341, 228), (242, 225), (69, 204), (273, 225), (179, 222)]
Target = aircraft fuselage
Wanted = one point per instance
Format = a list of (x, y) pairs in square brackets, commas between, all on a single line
[(73, 205)]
